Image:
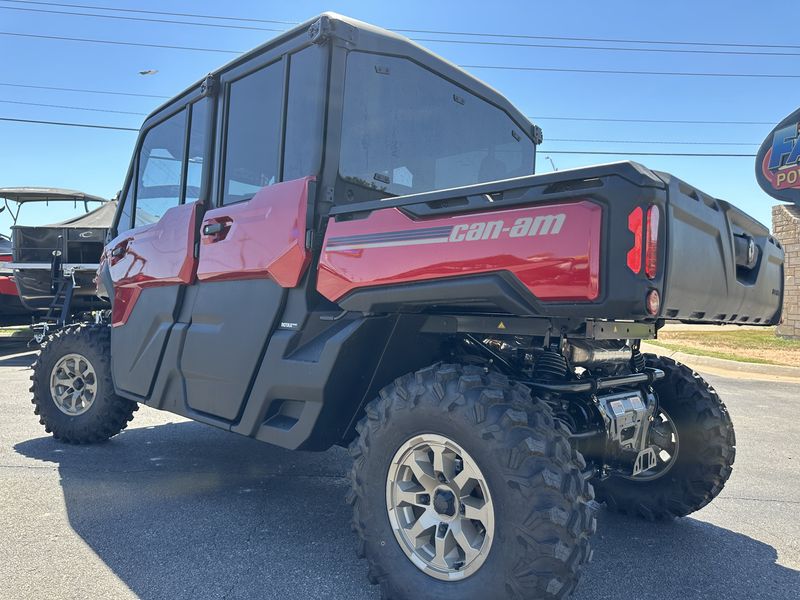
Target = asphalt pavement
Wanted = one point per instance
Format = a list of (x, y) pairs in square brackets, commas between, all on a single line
[(177, 510)]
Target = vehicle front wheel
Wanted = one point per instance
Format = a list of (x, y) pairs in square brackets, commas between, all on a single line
[(73, 392), (463, 486)]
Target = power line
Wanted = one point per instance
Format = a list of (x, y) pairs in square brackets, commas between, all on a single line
[(622, 72), (607, 48), (576, 140), (155, 12), (592, 39), (672, 121), (139, 19), (493, 67), (117, 42), (609, 152), (103, 110), (423, 31), (533, 118), (83, 91), (65, 124), (588, 152), (427, 40), (660, 142)]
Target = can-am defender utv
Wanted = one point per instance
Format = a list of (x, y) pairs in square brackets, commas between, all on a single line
[(337, 239)]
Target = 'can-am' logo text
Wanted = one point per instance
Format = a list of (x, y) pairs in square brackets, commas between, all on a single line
[(443, 234), (522, 227)]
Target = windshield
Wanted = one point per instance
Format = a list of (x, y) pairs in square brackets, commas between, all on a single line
[(407, 130)]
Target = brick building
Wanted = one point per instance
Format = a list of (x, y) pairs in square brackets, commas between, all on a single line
[(786, 228)]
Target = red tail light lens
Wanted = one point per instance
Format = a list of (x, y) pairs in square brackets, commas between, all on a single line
[(651, 244), (635, 223)]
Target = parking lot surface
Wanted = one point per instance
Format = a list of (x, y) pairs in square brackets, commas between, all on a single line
[(174, 509)]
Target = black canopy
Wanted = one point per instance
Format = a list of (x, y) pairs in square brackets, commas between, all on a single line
[(99, 217), (21, 195)]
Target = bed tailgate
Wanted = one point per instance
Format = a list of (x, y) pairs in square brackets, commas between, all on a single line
[(722, 265)]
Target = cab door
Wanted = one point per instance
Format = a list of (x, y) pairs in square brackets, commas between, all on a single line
[(252, 247), (152, 259), (234, 301)]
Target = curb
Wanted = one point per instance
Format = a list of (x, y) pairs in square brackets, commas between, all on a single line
[(730, 368)]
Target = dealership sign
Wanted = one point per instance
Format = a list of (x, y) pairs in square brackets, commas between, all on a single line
[(778, 160)]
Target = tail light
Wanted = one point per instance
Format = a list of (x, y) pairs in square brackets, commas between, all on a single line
[(635, 223), (651, 243), (653, 302)]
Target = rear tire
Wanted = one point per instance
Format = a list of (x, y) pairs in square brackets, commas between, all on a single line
[(541, 513), (704, 459), (73, 392)]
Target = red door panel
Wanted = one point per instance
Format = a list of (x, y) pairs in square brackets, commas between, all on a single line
[(554, 250), (152, 255), (263, 237)]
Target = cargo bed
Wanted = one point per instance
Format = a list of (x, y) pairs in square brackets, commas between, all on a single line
[(714, 263)]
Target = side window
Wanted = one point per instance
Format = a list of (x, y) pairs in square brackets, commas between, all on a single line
[(197, 143), (125, 208), (304, 113), (160, 169), (252, 143)]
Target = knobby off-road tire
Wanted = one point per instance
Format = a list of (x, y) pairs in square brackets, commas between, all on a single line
[(104, 414), (706, 450), (543, 516)]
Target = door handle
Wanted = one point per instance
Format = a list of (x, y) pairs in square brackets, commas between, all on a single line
[(118, 251), (213, 228), (217, 229)]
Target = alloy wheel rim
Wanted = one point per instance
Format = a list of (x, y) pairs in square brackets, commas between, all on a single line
[(73, 384), (440, 507)]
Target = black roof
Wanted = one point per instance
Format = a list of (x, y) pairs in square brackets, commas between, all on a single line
[(358, 35), (101, 217), (21, 195)]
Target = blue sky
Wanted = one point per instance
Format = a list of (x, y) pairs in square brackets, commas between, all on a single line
[(96, 160)]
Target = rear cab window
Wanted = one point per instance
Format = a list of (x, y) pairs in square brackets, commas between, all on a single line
[(407, 130)]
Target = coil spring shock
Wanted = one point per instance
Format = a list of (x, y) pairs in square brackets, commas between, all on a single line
[(550, 365), (637, 361)]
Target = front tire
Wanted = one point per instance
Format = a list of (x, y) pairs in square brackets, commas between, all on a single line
[(704, 458), (527, 509), (73, 392)]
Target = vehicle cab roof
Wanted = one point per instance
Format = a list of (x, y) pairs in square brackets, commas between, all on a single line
[(358, 35)]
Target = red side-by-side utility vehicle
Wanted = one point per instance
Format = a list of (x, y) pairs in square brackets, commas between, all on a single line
[(338, 238)]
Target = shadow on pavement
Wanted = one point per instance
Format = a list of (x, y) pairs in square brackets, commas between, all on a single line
[(11, 359), (186, 511)]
